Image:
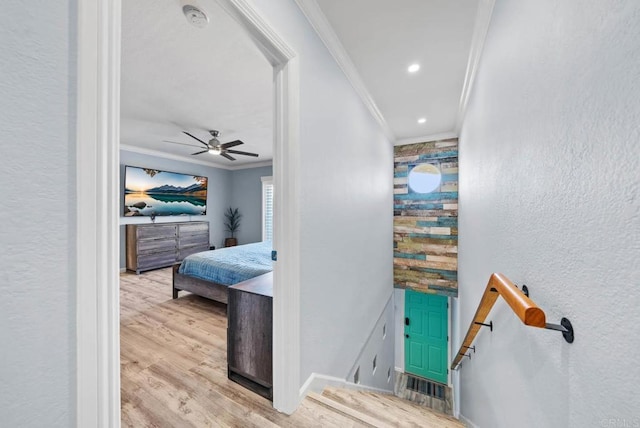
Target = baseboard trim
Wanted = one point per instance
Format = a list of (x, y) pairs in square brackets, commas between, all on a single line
[(318, 382), (467, 421), (123, 270)]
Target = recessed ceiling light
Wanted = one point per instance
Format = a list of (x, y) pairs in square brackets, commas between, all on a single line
[(413, 68), (422, 120)]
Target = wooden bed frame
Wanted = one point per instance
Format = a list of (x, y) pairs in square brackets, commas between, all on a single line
[(210, 290)]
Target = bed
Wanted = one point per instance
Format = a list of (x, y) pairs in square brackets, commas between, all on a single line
[(210, 273)]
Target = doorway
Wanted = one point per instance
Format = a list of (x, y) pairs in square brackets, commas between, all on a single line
[(97, 191), (425, 335)]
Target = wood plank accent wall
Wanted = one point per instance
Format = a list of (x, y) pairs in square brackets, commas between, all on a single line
[(425, 225)]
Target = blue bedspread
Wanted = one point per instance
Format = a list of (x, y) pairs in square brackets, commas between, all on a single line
[(228, 266)]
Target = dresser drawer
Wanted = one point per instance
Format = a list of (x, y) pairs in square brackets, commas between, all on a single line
[(184, 252), (157, 259), (190, 240), (156, 231), (147, 246), (193, 229)]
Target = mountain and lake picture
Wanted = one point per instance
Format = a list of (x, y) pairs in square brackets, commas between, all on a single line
[(152, 192)]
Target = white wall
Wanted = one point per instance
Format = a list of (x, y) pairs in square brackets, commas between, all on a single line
[(549, 195), (346, 206), (379, 347), (37, 148)]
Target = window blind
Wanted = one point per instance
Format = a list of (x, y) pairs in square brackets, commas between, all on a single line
[(267, 210)]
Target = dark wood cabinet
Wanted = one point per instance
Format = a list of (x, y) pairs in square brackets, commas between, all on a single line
[(152, 246), (249, 334)]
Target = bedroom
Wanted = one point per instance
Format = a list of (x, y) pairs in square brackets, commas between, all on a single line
[(184, 87), (179, 78)]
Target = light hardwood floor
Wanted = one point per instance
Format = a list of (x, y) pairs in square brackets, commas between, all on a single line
[(173, 363), (174, 372)]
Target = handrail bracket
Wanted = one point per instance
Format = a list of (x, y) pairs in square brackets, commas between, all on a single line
[(564, 327), (490, 325)]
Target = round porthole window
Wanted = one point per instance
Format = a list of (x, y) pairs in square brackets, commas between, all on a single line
[(425, 178)]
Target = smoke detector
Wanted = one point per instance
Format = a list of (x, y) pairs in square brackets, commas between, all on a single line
[(195, 16)]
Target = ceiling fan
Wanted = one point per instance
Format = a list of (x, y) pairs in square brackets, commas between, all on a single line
[(215, 147)]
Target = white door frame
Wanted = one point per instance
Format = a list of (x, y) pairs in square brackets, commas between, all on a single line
[(98, 208)]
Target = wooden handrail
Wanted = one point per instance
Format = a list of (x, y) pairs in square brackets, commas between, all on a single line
[(525, 308)]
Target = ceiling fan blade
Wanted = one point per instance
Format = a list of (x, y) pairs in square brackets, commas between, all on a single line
[(231, 144), (237, 152), (182, 144), (195, 138), (197, 153), (227, 156)]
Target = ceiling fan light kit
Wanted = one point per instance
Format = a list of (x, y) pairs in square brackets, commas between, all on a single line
[(214, 146)]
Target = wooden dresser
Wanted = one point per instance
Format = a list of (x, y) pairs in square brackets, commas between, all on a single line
[(152, 246), (249, 334)]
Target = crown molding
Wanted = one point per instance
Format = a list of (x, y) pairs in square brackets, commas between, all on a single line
[(481, 28), (160, 154), (426, 138), (251, 165), (325, 31)]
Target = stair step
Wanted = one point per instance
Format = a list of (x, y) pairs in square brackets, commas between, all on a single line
[(346, 411), (323, 416), (390, 410), (354, 400), (405, 404)]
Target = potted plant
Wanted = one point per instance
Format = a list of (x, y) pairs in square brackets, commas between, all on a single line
[(232, 223)]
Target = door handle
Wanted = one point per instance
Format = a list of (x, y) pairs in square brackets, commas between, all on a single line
[(406, 335), (406, 321)]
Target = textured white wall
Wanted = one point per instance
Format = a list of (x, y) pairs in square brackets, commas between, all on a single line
[(37, 149), (549, 195), (346, 206)]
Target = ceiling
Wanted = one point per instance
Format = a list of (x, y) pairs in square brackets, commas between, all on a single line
[(383, 37), (177, 77)]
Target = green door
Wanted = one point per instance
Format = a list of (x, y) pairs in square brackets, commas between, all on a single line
[(425, 332)]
